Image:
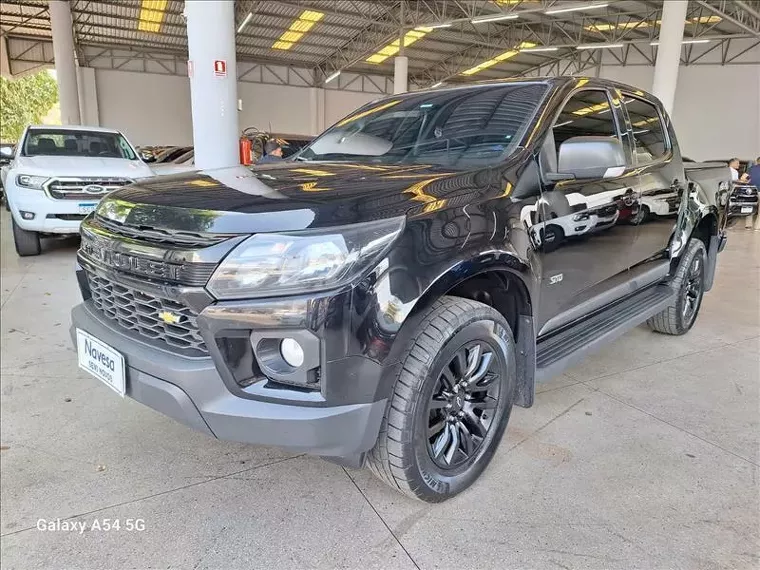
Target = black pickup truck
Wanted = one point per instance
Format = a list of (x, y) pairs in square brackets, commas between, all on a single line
[(387, 296)]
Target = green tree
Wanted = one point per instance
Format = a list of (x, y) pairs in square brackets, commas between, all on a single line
[(25, 101)]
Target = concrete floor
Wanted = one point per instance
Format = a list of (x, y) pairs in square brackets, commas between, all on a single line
[(645, 456)]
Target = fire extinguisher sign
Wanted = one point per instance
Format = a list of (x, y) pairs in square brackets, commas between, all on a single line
[(220, 67)]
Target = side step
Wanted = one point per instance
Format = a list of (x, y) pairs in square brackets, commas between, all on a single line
[(563, 349)]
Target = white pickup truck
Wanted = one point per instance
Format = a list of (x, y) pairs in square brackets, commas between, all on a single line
[(59, 174)]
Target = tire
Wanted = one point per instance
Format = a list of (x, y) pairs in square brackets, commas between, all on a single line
[(552, 237), (423, 449), (641, 216), (689, 282), (27, 243)]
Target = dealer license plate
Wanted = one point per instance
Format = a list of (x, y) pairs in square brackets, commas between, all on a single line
[(746, 209), (87, 208), (102, 361)]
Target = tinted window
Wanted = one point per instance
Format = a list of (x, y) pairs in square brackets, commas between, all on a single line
[(587, 113), (68, 142), (648, 131), (455, 128)]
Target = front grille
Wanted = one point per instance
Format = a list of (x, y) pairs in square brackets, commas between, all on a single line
[(102, 251), (139, 312), (83, 188)]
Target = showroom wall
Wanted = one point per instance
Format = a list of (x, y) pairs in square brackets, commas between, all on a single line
[(717, 108), (155, 109)]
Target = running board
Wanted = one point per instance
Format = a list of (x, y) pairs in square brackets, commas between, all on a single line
[(563, 349)]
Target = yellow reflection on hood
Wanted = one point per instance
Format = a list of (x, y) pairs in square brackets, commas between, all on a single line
[(313, 172)]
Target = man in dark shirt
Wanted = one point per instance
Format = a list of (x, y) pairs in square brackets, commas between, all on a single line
[(273, 152), (754, 179), (754, 173)]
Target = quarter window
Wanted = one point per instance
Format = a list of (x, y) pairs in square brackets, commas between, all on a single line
[(648, 132)]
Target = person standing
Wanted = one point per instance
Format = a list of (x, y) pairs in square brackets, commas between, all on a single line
[(754, 179), (733, 166)]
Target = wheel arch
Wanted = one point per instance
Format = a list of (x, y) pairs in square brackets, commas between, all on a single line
[(505, 286)]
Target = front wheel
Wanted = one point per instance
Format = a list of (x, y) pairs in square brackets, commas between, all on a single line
[(689, 283), (27, 243), (451, 402)]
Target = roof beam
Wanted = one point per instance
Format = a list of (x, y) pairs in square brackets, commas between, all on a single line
[(728, 17)]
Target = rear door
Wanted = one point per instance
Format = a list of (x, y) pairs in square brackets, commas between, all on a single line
[(661, 184), (585, 246)]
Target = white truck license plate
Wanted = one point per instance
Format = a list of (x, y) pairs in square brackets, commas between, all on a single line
[(101, 361), (746, 209), (86, 208)]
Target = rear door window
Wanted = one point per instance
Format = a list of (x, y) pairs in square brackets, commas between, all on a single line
[(651, 142)]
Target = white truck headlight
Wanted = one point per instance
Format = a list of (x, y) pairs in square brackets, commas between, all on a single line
[(30, 181), (268, 265)]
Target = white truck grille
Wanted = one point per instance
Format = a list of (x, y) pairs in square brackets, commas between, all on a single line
[(83, 188)]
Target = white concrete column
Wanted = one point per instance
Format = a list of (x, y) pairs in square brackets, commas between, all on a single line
[(400, 74), (65, 67), (316, 110), (213, 84), (669, 52)]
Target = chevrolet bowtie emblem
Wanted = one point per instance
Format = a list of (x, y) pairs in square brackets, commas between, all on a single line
[(170, 318)]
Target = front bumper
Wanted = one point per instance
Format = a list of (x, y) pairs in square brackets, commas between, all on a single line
[(45, 210), (191, 390)]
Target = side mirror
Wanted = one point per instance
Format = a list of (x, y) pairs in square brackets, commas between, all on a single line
[(6, 152), (589, 157)]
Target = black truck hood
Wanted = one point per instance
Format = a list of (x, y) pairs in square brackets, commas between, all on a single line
[(283, 197)]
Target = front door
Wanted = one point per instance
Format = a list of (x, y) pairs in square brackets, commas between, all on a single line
[(584, 243)]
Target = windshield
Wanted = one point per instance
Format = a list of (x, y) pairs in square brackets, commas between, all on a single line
[(69, 142), (458, 128)]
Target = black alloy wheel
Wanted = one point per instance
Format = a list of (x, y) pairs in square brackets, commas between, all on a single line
[(693, 289), (451, 401), (459, 411)]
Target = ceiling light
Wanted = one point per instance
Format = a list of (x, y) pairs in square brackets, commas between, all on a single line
[(393, 48), (151, 15), (494, 18), (705, 20), (538, 49), (297, 29), (620, 26), (434, 85), (599, 46), (486, 64), (576, 8), (437, 26), (333, 76), (705, 41), (245, 22)]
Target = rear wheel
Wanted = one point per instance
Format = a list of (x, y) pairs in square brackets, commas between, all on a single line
[(27, 243), (689, 282), (451, 402)]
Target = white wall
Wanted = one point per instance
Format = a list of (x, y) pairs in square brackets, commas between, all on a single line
[(716, 114), (152, 108), (147, 108), (717, 108)]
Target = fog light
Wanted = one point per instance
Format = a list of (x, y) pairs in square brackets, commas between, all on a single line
[(291, 352), (27, 215)]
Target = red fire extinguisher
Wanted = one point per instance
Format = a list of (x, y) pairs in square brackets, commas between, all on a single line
[(246, 158)]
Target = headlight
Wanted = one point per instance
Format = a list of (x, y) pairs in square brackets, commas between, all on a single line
[(29, 181), (268, 265), (581, 217)]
